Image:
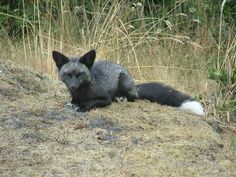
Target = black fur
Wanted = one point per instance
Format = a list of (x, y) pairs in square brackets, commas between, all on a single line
[(59, 59), (90, 96), (88, 59), (94, 84), (159, 93)]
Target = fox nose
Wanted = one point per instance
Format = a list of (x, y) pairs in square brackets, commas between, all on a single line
[(72, 88)]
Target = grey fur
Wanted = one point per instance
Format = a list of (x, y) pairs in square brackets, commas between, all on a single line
[(94, 84), (111, 77)]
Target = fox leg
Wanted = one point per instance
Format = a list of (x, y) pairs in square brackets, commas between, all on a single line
[(127, 87), (98, 102)]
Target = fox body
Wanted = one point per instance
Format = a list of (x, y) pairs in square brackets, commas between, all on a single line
[(94, 84), (166, 95)]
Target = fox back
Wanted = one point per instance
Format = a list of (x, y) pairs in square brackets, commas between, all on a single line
[(108, 75)]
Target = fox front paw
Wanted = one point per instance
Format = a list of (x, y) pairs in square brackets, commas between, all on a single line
[(84, 107), (72, 106)]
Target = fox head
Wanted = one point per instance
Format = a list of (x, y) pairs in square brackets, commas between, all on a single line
[(75, 72)]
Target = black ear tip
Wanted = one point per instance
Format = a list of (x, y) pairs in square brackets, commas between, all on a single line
[(93, 52), (54, 53)]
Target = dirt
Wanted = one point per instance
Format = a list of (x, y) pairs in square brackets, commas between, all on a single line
[(42, 135)]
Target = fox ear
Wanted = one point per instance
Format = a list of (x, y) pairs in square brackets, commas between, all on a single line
[(59, 59), (88, 58)]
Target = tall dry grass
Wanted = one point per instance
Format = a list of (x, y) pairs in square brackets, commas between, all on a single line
[(146, 47)]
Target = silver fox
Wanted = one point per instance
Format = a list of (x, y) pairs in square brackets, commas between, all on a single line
[(94, 84)]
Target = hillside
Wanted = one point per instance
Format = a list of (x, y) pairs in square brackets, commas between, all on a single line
[(40, 136)]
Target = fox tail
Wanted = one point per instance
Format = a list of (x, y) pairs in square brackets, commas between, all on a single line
[(166, 95)]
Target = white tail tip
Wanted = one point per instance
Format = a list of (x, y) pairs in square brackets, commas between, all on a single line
[(192, 106)]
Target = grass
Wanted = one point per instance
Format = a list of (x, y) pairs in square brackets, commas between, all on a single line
[(174, 48), (111, 32), (41, 137)]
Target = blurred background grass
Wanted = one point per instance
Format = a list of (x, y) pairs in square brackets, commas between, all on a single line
[(187, 44)]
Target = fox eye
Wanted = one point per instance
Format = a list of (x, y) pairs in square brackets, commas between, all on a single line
[(79, 74), (69, 74)]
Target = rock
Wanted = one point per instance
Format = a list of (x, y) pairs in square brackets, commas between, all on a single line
[(215, 126), (108, 138), (32, 137), (101, 122), (16, 122), (55, 115)]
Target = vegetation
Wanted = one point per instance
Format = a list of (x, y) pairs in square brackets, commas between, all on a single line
[(182, 43)]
